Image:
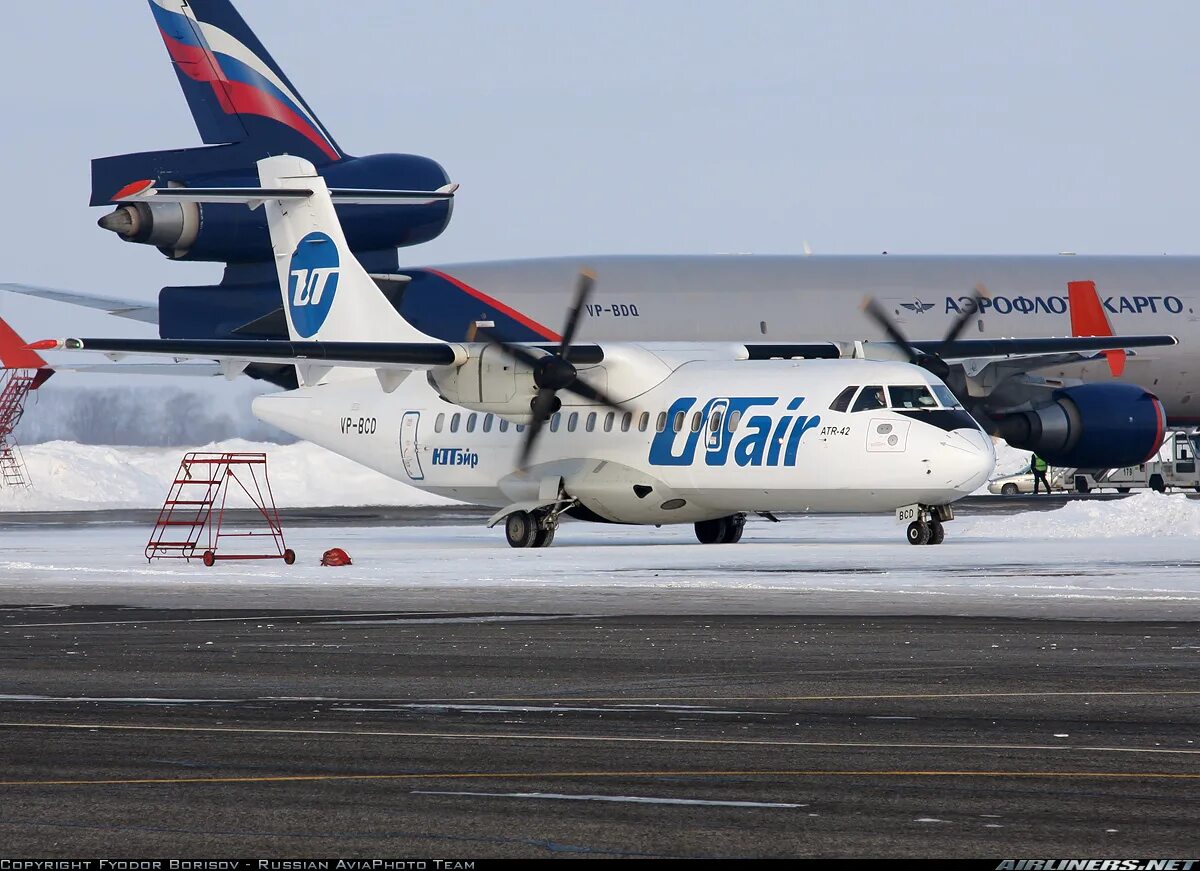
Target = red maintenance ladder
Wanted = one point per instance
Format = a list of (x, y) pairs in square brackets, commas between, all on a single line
[(186, 525), (15, 385)]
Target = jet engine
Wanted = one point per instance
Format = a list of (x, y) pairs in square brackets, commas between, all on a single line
[(233, 234), (1091, 426)]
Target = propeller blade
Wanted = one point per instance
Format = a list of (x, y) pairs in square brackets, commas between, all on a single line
[(879, 314), (583, 290), (956, 329), (543, 406), (587, 391)]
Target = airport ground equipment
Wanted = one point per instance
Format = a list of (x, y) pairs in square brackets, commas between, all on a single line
[(191, 523), (1174, 466), (15, 386)]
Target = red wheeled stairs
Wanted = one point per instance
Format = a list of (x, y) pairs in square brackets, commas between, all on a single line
[(192, 521), (15, 385)]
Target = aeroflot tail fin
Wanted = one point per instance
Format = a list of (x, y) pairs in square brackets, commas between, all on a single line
[(236, 91), (1089, 319), (327, 294)]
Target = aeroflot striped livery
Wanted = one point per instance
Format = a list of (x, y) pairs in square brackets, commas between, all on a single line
[(627, 432)]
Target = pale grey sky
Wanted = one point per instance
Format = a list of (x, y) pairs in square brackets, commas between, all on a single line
[(635, 126)]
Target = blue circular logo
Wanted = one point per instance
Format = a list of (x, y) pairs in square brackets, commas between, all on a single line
[(312, 282)]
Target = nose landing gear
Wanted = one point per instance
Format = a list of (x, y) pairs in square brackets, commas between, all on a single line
[(928, 528)]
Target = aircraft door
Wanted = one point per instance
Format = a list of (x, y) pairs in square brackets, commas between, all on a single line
[(715, 431), (408, 445)]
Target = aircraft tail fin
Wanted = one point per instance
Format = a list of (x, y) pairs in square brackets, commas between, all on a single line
[(234, 88), (1088, 318), (327, 294)]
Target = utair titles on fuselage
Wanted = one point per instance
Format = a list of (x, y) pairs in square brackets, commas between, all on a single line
[(649, 433)]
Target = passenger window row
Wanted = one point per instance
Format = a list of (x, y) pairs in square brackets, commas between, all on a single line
[(570, 421)]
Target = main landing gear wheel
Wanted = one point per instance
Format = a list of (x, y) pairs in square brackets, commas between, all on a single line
[(520, 529), (919, 532), (544, 537), (523, 529), (722, 530)]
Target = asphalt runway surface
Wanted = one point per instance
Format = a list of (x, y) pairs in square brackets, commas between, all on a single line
[(543, 729), (176, 733)]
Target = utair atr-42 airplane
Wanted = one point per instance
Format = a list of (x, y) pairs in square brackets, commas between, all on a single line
[(623, 432)]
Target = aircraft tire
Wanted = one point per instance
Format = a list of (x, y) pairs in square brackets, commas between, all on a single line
[(520, 529), (544, 537), (919, 532), (734, 525), (712, 531), (1157, 484), (937, 532)]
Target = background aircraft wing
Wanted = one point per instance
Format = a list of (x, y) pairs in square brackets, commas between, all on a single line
[(964, 349), (134, 310)]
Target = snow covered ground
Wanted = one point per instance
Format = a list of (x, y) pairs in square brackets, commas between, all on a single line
[(73, 477), (1134, 558)]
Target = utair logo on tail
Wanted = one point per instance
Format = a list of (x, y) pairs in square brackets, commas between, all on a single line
[(312, 282), (731, 429)]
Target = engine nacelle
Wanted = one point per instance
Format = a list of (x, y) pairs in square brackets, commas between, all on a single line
[(493, 382), (1092, 426), (232, 233), (490, 382)]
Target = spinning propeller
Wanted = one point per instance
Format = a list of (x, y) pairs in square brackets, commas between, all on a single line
[(555, 372), (935, 363)]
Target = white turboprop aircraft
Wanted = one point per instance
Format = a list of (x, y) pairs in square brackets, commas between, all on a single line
[(637, 432)]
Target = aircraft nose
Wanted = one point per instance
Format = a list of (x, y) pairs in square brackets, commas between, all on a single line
[(975, 457)]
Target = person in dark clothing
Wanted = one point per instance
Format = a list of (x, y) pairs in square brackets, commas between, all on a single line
[(1039, 467)]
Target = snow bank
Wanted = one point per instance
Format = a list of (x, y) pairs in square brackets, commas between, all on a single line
[(72, 477), (1144, 515)]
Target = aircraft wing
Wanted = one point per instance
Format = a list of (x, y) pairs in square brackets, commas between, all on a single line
[(965, 349), (371, 355), (134, 310)]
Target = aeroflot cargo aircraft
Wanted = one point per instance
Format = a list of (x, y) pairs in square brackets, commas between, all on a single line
[(630, 432), (240, 97)]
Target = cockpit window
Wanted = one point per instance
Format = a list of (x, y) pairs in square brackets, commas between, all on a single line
[(945, 396), (917, 396), (871, 397), (842, 402)]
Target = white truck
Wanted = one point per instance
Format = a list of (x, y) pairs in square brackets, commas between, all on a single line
[(1173, 467)]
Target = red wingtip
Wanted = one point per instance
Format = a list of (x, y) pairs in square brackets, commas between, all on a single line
[(1089, 319), (14, 353), (42, 345)]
